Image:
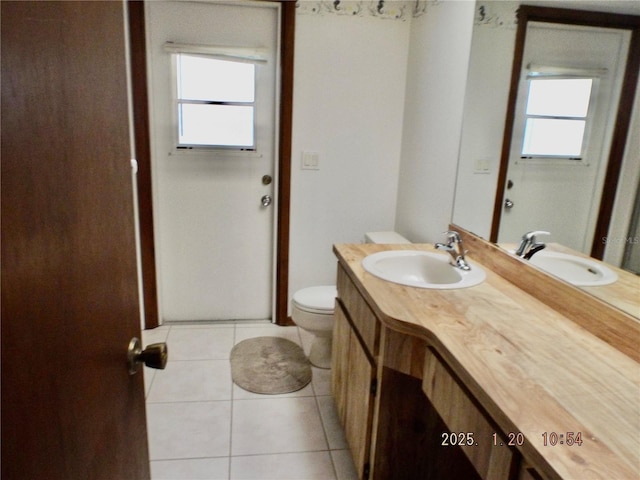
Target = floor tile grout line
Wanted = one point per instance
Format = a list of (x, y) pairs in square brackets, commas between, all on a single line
[(148, 389), (187, 458), (292, 452), (169, 402), (289, 452), (197, 360), (326, 436), (313, 392), (235, 336)]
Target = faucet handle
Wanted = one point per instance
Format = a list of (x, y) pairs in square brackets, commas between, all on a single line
[(453, 235), (532, 235), (528, 240)]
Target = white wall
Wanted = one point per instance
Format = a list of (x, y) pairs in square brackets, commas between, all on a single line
[(436, 79), (488, 83), (349, 86)]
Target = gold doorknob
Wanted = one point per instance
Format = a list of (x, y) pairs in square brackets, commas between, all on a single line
[(154, 356)]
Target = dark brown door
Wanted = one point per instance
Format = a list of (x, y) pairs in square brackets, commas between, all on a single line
[(70, 304)]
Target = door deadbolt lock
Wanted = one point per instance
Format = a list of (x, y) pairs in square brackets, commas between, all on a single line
[(266, 200), (154, 356), (266, 179)]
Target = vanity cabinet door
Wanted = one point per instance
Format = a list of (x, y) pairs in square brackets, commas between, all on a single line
[(359, 416), (487, 449), (351, 381), (361, 316), (340, 361)]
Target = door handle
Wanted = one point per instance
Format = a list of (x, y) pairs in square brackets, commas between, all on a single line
[(154, 356), (266, 200), (508, 204)]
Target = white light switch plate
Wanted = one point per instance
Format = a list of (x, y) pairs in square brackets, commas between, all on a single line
[(482, 166), (310, 161)]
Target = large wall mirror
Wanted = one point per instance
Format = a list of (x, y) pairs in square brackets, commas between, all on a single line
[(551, 129)]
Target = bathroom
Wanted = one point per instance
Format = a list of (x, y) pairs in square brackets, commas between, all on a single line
[(395, 167), (354, 123), (391, 168)]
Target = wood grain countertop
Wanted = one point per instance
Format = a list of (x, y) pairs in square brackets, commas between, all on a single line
[(532, 369)]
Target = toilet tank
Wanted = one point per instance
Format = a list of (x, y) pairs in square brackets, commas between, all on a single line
[(384, 237)]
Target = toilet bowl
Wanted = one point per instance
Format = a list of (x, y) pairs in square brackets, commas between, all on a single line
[(312, 308)]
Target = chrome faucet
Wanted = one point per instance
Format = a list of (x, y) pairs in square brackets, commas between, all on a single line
[(454, 248), (529, 246)]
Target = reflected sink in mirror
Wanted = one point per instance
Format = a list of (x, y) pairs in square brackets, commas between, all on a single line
[(421, 269), (578, 271)]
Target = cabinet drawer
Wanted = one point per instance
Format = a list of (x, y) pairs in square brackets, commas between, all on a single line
[(461, 415), (364, 321)]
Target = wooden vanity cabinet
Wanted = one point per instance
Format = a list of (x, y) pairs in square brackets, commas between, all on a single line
[(391, 428), (485, 446), (445, 363), (353, 377), (417, 398)]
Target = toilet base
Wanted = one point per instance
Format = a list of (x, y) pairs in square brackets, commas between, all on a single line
[(320, 354)]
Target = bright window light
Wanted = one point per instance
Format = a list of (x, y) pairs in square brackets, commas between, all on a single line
[(567, 97), (553, 137), (202, 78), (216, 102), (222, 125), (556, 117)]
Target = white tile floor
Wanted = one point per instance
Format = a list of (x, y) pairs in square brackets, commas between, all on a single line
[(202, 426)]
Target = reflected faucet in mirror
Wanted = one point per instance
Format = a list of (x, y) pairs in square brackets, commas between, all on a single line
[(454, 248), (529, 246)]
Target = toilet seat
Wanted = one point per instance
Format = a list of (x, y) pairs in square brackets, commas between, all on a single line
[(320, 300)]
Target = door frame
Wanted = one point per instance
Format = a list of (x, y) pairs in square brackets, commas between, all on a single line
[(527, 13), (143, 156)]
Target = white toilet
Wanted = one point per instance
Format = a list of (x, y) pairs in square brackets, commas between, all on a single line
[(312, 308)]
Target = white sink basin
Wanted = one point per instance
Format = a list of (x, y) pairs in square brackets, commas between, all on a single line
[(421, 269), (578, 271)]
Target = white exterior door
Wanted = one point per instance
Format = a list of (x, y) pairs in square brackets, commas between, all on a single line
[(214, 237), (559, 195)]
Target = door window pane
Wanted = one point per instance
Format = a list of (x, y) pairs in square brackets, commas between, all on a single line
[(222, 125), (216, 102), (567, 97), (203, 78), (556, 117), (553, 137)]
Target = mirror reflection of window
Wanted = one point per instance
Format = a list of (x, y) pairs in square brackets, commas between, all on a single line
[(556, 117), (215, 101)]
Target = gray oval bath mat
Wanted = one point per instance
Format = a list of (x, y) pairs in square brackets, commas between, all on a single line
[(269, 365)]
